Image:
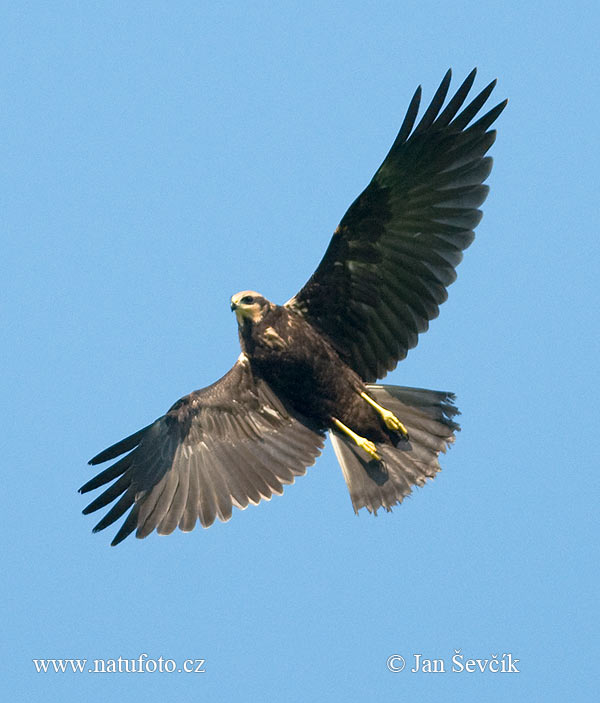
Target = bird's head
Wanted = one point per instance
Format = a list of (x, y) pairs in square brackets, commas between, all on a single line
[(249, 305)]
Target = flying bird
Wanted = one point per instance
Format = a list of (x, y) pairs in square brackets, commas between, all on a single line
[(309, 367)]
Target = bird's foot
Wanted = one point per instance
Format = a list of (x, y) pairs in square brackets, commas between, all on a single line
[(369, 447), (364, 443), (390, 420)]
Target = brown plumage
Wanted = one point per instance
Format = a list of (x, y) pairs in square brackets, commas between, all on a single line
[(308, 367)]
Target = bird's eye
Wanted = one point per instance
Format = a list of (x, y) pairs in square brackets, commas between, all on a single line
[(247, 300)]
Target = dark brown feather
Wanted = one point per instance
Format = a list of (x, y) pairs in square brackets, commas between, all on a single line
[(420, 208)]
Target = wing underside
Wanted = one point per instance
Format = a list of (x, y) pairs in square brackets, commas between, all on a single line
[(387, 267), (229, 445)]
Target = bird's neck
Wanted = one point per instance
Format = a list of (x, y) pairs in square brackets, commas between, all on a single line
[(245, 334)]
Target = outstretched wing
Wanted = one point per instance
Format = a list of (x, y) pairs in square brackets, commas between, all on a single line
[(230, 444), (395, 251)]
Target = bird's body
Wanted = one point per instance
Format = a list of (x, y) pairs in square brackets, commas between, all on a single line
[(304, 369), (308, 367)]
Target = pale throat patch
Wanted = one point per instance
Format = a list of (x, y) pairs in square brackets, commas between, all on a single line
[(249, 312)]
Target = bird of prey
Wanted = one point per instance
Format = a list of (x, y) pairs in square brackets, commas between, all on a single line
[(309, 366)]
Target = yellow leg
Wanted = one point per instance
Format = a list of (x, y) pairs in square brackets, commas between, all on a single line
[(391, 421), (362, 442)]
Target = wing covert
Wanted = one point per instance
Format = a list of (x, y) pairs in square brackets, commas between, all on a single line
[(396, 249)]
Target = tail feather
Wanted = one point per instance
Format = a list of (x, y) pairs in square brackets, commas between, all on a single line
[(428, 417)]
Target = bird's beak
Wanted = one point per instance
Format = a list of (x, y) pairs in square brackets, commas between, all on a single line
[(233, 306)]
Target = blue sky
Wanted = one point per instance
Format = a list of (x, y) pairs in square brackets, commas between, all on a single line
[(159, 156)]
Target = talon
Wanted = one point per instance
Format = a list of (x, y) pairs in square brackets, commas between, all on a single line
[(370, 448), (392, 423), (364, 443), (390, 420)]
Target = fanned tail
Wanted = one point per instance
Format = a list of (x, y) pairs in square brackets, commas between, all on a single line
[(428, 417)]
